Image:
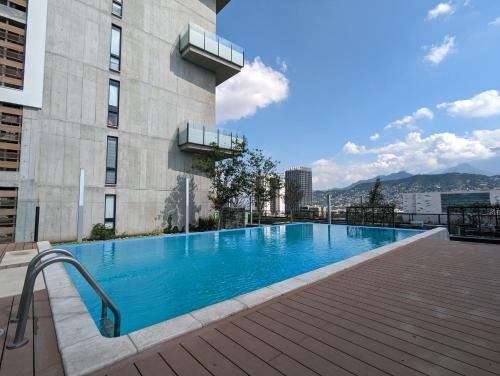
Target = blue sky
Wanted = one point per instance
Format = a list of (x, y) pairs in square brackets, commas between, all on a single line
[(356, 88)]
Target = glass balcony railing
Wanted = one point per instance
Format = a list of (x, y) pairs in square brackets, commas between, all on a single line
[(196, 137), (196, 36)]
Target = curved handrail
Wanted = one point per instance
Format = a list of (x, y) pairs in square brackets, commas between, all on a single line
[(34, 261), (19, 339)]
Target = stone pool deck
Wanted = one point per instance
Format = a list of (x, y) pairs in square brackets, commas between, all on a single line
[(431, 307)]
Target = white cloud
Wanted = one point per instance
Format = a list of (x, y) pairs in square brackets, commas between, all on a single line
[(438, 53), (483, 105), (442, 9), (374, 137), (257, 86), (410, 121), (282, 64), (495, 22), (416, 154), (351, 148)]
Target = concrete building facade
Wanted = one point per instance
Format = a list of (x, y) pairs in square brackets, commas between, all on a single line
[(115, 92), (438, 202), (301, 177)]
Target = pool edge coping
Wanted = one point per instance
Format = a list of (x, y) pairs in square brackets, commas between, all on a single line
[(84, 350)]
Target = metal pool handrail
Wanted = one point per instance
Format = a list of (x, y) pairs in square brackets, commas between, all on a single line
[(20, 340), (34, 261)]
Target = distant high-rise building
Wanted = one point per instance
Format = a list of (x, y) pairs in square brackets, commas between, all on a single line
[(302, 177)]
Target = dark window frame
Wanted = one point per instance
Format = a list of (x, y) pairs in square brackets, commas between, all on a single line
[(119, 4), (108, 219), (115, 167), (111, 54), (114, 111)]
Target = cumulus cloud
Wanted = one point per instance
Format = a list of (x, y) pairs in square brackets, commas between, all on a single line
[(416, 154), (257, 86), (442, 9), (437, 53), (410, 121), (495, 22), (374, 137), (483, 105), (282, 64)]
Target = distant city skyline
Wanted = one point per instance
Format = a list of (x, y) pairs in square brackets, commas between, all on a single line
[(355, 89)]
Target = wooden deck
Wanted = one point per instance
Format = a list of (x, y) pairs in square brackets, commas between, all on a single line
[(15, 247), (40, 357), (431, 308)]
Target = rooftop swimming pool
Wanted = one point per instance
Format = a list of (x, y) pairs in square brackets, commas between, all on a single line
[(155, 279)]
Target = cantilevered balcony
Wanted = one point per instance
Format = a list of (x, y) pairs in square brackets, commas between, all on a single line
[(212, 52), (196, 138)]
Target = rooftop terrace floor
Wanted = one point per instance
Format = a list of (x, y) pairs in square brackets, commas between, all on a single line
[(432, 308)]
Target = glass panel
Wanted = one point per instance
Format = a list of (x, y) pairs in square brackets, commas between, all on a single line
[(224, 141), (115, 41), (237, 57), (114, 64), (110, 177), (210, 138), (113, 93), (196, 36), (109, 212), (211, 43), (182, 136), (117, 8), (196, 135), (111, 152), (112, 119), (224, 49)]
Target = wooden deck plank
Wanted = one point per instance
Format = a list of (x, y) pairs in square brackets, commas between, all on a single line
[(153, 366), (454, 316), (5, 312), (293, 350), (401, 313), (47, 362), (238, 355), (129, 370), (182, 362), (249, 342), (18, 362), (210, 358), (365, 326)]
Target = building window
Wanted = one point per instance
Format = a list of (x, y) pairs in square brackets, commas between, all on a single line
[(8, 205), (116, 45), (117, 8), (11, 120), (113, 103), (111, 160), (109, 211)]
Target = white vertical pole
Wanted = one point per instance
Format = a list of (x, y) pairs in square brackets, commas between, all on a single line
[(81, 199), (251, 210), (187, 205), (329, 199)]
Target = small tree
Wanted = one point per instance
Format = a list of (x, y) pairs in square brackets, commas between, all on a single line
[(375, 196), (293, 196), (261, 178), (227, 174)]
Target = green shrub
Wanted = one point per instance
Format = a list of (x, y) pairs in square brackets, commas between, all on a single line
[(171, 230), (205, 224), (100, 232)]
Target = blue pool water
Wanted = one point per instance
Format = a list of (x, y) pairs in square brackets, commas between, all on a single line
[(155, 279)]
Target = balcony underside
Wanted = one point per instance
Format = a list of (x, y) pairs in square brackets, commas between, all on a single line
[(203, 149), (222, 68), (221, 4)]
